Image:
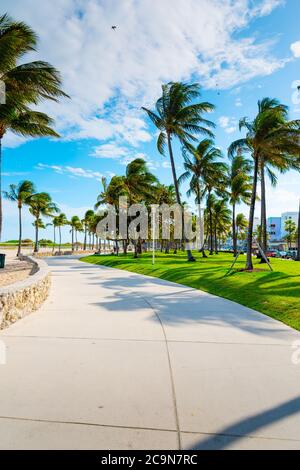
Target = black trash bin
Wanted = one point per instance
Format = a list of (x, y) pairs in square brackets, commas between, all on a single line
[(2, 260)]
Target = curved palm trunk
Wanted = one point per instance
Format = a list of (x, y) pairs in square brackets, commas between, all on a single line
[(249, 264), (20, 231), (263, 217), (189, 253), (36, 245), (234, 231)]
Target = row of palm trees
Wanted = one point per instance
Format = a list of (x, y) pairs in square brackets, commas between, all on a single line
[(40, 206), (139, 185), (272, 142)]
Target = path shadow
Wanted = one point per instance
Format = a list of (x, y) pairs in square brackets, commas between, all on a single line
[(246, 427)]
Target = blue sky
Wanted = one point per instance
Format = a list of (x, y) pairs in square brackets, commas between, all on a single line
[(238, 50)]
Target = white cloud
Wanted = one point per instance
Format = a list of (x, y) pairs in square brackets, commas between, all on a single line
[(71, 171), (111, 74), (295, 48), (267, 6), (14, 173), (227, 123), (238, 102)]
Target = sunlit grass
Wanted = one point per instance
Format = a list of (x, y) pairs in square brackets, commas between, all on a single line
[(276, 293)]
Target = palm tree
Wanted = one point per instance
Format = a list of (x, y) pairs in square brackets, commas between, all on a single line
[(75, 225), (282, 162), (239, 183), (269, 138), (41, 204), (176, 116), (25, 84), (20, 194), (221, 220), (59, 221), (290, 228), (298, 236), (88, 216), (55, 225), (241, 224), (203, 171)]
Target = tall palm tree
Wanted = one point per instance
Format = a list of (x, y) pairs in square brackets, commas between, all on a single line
[(59, 221), (177, 116), (88, 216), (25, 84), (239, 183), (203, 170), (221, 220), (165, 194), (298, 236), (41, 204), (282, 162), (269, 137), (20, 194), (55, 226), (75, 225), (241, 224)]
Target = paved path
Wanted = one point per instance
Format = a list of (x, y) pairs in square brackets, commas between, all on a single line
[(119, 360)]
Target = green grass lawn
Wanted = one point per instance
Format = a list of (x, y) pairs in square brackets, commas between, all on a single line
[(276, 293)]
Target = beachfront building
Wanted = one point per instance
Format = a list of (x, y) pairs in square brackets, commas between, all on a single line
[(274, 228)]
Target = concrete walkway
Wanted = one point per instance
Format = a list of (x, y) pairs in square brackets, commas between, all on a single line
[(123, 361)]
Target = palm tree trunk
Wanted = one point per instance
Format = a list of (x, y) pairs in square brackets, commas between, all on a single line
[(84, 242), (249, 264), (298, 236), (20, 231), (216, 240), (59, 230), (189, 253), (36, 245), (1, 186), (72, 231), (53, 239), (263, 217), (201, 241), (234, 235), (211, 238)]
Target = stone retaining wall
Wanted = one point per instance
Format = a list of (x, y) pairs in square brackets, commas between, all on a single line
[(23, 297)]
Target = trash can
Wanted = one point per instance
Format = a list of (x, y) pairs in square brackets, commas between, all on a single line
[(2, 260)]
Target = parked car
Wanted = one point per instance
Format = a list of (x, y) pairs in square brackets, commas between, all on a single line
[(281, 254), (271, 253)]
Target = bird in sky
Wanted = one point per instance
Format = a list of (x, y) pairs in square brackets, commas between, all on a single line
[(114, 28)]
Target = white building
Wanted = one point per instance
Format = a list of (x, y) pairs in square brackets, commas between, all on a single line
[(288, 216)]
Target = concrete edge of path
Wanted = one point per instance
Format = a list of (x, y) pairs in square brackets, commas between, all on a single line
[(26, 296)]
